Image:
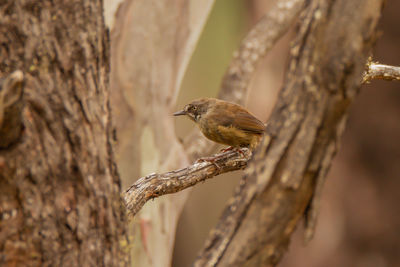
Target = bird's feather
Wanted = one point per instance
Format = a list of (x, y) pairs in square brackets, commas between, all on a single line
[(240, 119), (247, 122)]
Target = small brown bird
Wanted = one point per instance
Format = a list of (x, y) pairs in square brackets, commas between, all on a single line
[(224, 122)]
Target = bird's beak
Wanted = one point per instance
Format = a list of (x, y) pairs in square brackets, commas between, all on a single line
[(179, 113)]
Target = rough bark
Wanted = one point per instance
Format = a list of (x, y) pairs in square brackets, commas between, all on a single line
[(11, 105), (59, 189), (324, 74)]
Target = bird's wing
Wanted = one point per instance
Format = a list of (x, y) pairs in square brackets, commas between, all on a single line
[(247, 122), (240, 119)]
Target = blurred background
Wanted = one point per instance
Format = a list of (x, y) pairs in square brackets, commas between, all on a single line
[(359, 222)]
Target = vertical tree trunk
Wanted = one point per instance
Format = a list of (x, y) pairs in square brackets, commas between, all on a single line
[(152, 42), (59, 189)]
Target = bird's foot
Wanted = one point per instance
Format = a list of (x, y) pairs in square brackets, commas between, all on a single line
[(229, 148), (212, 160), (237, 149), (240, 151)]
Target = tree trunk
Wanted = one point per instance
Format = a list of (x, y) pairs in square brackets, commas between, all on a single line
[(152, 42), (59, 188)]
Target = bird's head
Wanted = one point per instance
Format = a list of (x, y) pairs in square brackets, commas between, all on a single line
[(195, 109)]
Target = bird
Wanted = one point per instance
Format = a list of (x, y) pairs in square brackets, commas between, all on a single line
[(225, 122)]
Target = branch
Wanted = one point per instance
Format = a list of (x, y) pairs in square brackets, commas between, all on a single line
[(375, 71), (155, 185)]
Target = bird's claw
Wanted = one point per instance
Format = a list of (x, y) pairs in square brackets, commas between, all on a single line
[(209, 159), (230, 148)]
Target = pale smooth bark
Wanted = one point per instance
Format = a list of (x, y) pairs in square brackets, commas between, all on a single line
[(152, 42)]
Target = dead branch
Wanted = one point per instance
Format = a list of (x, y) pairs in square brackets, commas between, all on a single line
[(375, 71), (155, 185)]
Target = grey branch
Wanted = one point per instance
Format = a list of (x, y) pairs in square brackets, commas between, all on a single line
[(155, 185), (375, 71)]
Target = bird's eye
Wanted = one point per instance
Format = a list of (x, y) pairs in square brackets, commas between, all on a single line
[(194, 108)]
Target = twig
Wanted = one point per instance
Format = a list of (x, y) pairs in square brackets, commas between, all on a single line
[(155, 185), (375, 71)]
